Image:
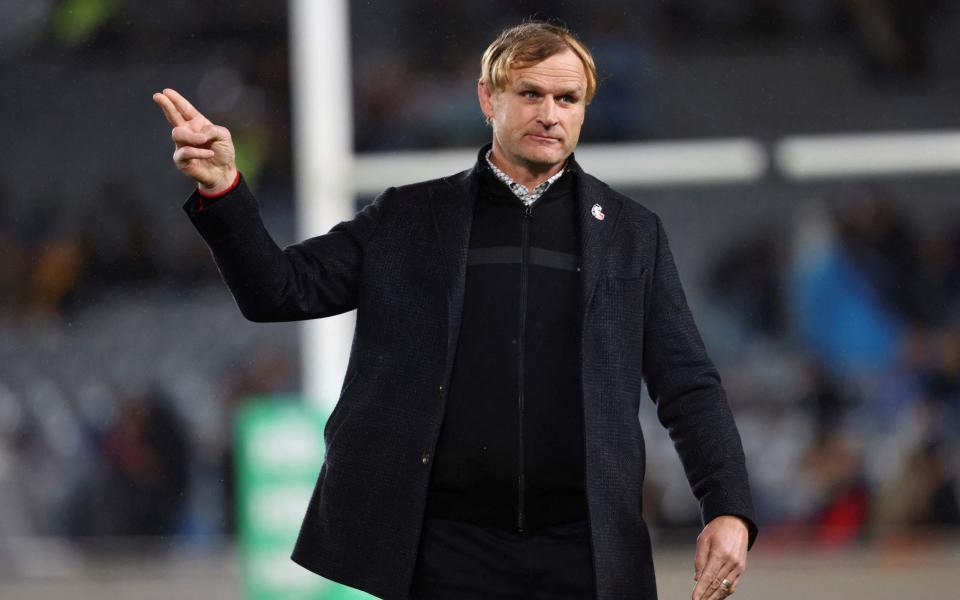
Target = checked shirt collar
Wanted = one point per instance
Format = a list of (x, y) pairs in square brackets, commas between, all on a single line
[(519, 190)]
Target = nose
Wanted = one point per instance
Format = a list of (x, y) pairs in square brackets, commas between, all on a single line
[(548, 113)]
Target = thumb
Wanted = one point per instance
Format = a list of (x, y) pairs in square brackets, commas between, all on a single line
[(700, 558)]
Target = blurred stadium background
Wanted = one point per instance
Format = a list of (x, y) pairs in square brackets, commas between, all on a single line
[(803, 154)]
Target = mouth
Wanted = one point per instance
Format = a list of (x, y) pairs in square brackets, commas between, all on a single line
[(543, 138)]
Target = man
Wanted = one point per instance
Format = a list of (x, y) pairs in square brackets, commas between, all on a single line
[(486, 441)]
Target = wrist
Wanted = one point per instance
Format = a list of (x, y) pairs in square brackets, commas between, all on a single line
[(720, 519), (221, 188)]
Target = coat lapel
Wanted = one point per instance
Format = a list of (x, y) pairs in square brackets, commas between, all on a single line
[(595, 233), (452, 206)]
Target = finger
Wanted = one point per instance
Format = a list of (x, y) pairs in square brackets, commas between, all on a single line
[(709, 581), (734, 578), (184, 154), (733, 585), (186, 109), (717, 594), (182, 136), (700, 558), (215, 133), (717, 591), (169, 110), (720, 594)]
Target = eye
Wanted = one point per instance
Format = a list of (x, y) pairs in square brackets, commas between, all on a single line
[(529, 94), (568, 99)]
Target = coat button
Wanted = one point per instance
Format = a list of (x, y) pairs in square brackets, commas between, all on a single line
[(425, 458)]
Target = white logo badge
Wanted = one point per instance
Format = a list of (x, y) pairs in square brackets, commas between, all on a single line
[(597, 212)]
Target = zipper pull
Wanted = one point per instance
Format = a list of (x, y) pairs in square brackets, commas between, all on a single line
[(528, 210)]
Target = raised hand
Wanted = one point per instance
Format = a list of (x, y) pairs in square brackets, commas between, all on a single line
[(204, 151)]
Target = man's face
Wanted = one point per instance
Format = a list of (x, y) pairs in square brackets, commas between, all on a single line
[(537, 117)]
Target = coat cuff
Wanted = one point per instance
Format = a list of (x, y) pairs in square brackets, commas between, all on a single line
[(711, 508), (226, 216), (205, 199)]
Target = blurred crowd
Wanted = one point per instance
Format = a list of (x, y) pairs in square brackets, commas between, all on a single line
[(122, 358), (889, 38), (850, 321)]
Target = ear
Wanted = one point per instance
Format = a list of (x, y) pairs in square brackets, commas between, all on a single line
[(484, 95)]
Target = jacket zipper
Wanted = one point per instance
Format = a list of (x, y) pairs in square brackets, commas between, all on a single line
[(527, 215)]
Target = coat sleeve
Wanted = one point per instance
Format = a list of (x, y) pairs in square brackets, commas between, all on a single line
[(318, 277), (691, 402)]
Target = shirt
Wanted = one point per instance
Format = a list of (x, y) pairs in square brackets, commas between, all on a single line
[(519, 190)]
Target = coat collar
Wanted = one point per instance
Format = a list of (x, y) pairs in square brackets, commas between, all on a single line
[(453, 205)]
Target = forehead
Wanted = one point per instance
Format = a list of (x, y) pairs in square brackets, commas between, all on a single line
[(564, 69)]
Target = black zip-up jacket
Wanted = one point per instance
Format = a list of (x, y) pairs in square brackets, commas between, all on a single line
[(511, 451)]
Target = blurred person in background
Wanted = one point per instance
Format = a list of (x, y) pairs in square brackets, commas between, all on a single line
[(545, 299), (143, 482)]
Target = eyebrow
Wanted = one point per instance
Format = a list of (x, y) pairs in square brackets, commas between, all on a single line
[(528, 84)]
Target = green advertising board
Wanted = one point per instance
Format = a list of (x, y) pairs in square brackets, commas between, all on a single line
[(279, 451)]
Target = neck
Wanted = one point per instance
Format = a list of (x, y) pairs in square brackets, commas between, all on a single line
[(529, 176)]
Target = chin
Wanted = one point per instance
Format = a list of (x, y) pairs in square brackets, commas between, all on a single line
[(547, 159), (544, 156)]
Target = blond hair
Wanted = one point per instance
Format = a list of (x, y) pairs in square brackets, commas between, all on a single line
[(529, 43)]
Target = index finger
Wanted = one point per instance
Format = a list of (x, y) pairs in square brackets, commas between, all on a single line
[(186, 109), (709, 580), (169, 110)]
